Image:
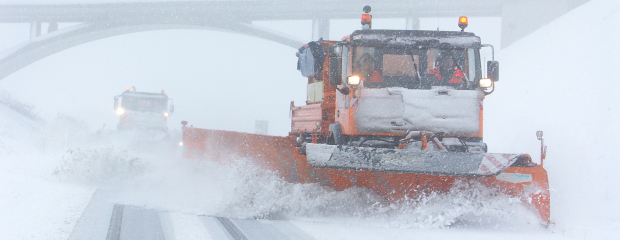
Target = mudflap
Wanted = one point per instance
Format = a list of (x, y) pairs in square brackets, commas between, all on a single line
[(408, 161)]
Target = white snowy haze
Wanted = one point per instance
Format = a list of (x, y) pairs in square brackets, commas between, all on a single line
[(217, 80), (563, 79), (54, 153)]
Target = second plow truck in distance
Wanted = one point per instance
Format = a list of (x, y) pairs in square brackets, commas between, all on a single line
[(143, 111), (396, 111)]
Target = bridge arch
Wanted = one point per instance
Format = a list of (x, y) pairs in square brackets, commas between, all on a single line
[(35, 49)]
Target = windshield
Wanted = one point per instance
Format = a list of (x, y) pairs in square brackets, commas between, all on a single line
[(416, 68), (144, 103)]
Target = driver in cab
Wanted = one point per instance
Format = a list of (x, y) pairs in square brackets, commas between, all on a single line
[(447, 73), (367, 71)]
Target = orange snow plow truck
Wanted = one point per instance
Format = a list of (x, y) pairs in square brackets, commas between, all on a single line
[(396, 111)]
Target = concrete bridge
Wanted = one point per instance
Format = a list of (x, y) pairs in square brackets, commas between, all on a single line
[(96, 21)]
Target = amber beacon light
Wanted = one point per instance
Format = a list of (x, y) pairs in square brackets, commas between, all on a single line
[(366, 18), (463, 23)]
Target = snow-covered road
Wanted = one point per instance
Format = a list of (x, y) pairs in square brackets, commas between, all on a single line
[(55, 196), (103, 219)]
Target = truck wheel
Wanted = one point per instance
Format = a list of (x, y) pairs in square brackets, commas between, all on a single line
[(302, 150), (335, 134), (331, 140)]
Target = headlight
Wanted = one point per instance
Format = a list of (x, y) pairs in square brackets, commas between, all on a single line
[(181, 144), (120, 111), (486, 83), (166, 114), (353, 80)]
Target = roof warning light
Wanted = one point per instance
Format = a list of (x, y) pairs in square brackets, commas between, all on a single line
[(366, 19), (463, 23)]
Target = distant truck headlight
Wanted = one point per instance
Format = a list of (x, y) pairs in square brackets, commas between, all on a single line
[(486, 83), (120, 111), (353, 80), (166, 114)]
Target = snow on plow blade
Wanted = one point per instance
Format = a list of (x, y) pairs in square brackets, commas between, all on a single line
[(408, 161), (394, 176)]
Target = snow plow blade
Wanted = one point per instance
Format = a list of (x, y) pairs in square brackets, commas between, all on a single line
[(407, 174), (408, 161)]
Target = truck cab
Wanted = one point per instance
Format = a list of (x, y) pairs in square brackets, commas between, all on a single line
[(143, 110), (376, 86)]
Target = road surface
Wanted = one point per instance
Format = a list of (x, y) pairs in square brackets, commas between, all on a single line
[(104, 219)]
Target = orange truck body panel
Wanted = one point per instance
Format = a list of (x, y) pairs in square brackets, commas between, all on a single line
[(279, 154), (304, 118)]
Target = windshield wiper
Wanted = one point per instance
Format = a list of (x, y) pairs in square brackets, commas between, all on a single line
[(464, 75), (415, 67)]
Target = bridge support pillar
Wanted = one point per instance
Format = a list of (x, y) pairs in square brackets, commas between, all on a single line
[(320, 28), (35, 29), (413, 23)]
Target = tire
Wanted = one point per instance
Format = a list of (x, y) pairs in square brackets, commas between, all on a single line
[(331, 140), (336, 134)]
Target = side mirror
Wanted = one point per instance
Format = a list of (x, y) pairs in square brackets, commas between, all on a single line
[(335, 71), (493, 70), (115, 102), (171, 108)]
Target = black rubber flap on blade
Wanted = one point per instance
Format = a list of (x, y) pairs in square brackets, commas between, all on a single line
[(408, 161)]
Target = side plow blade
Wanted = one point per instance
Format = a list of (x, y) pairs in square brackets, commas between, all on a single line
[(408, 161)]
